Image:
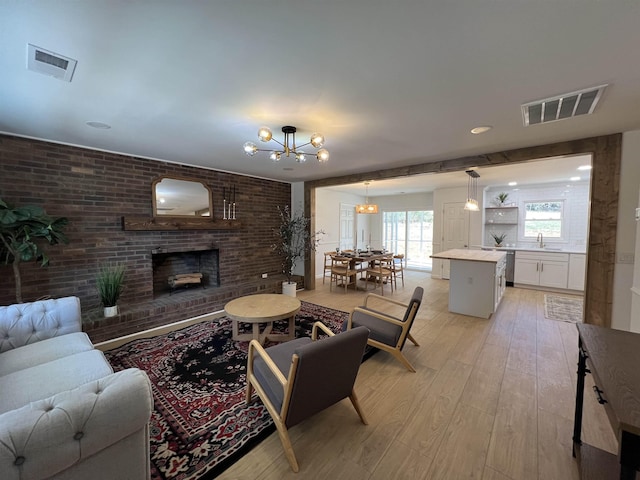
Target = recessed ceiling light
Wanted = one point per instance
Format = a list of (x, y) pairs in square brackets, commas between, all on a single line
[(574, 179), (481, 129), (584, 167), (100, 125), (512, 184)]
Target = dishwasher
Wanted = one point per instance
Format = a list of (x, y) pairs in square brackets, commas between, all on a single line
[(510, 268)]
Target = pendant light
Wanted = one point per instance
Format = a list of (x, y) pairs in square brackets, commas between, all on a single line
[(472, 191), (367, 207)]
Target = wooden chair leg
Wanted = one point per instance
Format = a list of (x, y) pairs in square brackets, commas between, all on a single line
[(283, 433), (398, 354), (356, 405), (249, 392), (413, 340)]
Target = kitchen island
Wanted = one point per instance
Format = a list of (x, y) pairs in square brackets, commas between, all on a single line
[(476, 280)]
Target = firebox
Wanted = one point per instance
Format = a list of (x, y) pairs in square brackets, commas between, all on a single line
[(177, 271)]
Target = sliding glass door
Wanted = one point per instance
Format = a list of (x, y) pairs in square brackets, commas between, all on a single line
[(410, 233)]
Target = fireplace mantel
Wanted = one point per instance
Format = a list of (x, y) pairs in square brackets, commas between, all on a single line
[(174, 223)]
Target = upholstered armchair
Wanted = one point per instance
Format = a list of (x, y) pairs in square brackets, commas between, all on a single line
[(300, 378), (387, 331)]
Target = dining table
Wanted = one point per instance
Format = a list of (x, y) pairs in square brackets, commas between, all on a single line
[(370, 258)]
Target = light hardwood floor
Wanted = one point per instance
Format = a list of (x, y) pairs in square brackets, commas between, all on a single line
[(491, 399)]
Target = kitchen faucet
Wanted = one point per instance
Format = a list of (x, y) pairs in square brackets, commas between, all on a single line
[(539, 240)]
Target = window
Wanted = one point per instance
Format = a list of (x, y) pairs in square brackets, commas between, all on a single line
[(410, 233), (543, 217)]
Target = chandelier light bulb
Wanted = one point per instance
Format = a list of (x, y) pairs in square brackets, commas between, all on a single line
[(317, 140), (264, 134), (300, 158), (322, 155), (275, 156), (250, 148)]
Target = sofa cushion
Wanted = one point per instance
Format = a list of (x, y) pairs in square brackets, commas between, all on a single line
[(43, 352), (25, 323), (42, 381)]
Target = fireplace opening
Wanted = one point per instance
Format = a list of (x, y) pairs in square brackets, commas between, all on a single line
[(174, 272)]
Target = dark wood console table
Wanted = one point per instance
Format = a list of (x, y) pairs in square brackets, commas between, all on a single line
[(613, 358)]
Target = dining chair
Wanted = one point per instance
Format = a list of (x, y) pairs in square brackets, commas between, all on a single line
[(388, 329), (341, 270), (398, 269), (381, 272), (300, 378), (327, 264)]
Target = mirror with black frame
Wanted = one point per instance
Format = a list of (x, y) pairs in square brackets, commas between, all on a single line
[(181, 197)]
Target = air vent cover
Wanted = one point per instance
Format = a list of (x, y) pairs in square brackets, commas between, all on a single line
[(582, 102), (50, 63)]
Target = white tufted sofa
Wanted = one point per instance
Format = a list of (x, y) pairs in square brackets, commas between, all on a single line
[(64, 414)]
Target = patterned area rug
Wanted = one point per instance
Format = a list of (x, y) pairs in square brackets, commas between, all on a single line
[(200, 424), (563, 308)]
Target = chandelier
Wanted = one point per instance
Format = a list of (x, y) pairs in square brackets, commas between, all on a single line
[(367, 207), (288, 146), (472, 191)]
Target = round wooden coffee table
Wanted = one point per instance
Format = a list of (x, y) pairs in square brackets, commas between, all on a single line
[(263, 308)]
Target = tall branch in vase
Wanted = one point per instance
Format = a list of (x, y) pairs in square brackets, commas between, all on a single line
[(294, 239)]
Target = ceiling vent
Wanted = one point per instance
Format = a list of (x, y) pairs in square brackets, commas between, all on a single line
[(582, 102), (50, 63)]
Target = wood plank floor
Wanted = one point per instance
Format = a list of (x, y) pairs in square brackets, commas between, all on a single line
[(491, 399)]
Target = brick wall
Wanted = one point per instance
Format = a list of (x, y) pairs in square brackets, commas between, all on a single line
[(94, 190)]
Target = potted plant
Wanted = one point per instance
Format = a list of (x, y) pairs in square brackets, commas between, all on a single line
[(294, 240), (110, 282), (23, 232), (499, 238), (501, 198)]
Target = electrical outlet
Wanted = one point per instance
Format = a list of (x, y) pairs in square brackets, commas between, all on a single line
[(265, 275), (627, 258)]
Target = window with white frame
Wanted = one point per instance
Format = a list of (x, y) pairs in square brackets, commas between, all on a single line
[(543, 217)]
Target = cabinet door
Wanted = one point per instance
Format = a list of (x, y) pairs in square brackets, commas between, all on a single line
[(553, 274), (577, 264), (526, 271)]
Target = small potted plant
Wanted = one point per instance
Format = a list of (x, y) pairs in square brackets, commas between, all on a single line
[(110, 282), (502, 198), (294, 241), (499, 238)]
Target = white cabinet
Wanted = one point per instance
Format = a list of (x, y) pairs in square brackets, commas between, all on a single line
[(577, 269), (542, 269)]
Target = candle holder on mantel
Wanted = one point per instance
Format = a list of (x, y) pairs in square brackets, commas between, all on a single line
[(229, 206)]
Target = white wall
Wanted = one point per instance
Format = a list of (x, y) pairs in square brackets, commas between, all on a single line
[(576, 213), (627, 273)]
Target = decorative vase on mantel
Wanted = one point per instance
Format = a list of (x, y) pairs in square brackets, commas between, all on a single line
[(289, 288)]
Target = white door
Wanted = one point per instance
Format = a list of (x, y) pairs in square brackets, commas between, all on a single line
[(455, 230), (347, 226)]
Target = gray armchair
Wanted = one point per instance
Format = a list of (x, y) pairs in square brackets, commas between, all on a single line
[(300, 378), (388, 332)]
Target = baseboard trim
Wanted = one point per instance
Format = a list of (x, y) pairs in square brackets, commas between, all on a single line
[(152, 332)]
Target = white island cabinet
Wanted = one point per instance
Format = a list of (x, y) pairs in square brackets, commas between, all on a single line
[(476, 282)]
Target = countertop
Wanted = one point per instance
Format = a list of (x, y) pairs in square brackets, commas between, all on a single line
[(490, 256), (532, 249)]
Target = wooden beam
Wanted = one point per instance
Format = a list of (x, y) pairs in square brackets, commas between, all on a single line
[(606, 152)]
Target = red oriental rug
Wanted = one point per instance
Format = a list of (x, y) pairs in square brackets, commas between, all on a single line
[(200, 424)]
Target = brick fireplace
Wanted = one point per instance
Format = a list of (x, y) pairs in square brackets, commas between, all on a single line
[(96, 191)]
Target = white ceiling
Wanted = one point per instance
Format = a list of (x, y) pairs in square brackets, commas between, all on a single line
[(388, 83)]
